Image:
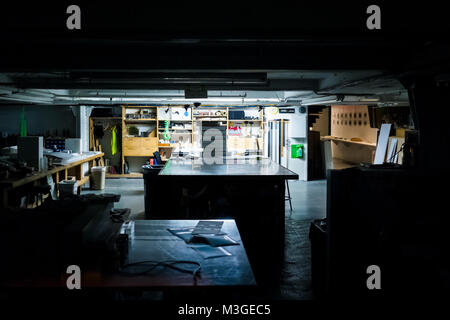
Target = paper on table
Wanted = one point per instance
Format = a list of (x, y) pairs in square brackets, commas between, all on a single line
[(208, 227), (183, 233), (208, 252), (214, 240)]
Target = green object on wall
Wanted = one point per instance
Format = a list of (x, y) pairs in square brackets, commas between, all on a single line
[(113, 140), (23, 123), (297, 151), (166, 134)]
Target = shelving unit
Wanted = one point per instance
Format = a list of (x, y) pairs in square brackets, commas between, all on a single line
[(347, 124), (146, 142), (346, 140), (175, 115), (184, 122), (122, 175), (209, 116), (246, 140), (139, 120)]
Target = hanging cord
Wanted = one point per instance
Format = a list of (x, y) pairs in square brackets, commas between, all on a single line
[(169, 264)]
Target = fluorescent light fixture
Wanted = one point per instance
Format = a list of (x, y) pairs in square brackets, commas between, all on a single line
[(161, 99), (319, 102), (369, 100)]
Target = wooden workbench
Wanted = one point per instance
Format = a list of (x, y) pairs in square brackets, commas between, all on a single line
[(250, 190), (59, 173)]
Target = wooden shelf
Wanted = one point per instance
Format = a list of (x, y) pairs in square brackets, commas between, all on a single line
[(107, 118), (175, 129), (362, 143), (136, 107), (136, 137), (204, 116), (123, 175), (83, 181), (339, 164), (139, 120), (134, 146)]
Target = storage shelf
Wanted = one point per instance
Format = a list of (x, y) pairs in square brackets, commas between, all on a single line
[(166, 147), (139, 120), (83, 180), (174, 129), (339, 164), (136, 137), (123, 175), (136, 146), (344, 140), (106, 118)]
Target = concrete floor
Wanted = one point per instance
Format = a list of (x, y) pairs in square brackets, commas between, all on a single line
[(131, 191), (308, 202)]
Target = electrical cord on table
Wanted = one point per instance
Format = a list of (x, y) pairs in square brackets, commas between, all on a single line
[(168, 263), (395, 154)]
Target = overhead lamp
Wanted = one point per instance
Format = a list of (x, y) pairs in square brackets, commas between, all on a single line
[(369, 100)]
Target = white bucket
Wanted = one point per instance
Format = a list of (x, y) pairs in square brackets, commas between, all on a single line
[(98, 178)]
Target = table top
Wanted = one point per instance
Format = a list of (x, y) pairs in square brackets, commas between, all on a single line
[(150, 240), (246, 168)]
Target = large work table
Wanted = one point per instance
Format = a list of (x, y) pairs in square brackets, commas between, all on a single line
[(59, 172), (243, 168), (251, 191)]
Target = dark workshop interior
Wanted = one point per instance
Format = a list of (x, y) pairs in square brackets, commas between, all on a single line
[(238, 153)]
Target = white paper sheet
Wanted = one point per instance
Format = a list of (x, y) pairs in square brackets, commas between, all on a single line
[(383, 139)]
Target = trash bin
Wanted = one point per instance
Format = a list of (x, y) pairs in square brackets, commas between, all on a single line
[(98, 178), (318, 240), (150, 171), (67, 187)]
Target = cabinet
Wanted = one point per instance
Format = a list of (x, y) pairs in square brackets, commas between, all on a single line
[(139, 132)]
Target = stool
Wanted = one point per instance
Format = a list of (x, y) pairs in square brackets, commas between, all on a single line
[(288, 197)]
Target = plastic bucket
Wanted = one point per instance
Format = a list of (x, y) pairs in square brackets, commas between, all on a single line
[(98, 178), (67, 187)]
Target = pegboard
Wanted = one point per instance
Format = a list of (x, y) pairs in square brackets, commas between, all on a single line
[(352, 122)]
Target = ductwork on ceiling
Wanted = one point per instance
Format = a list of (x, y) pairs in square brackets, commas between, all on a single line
[(41, 97), (82, 88)]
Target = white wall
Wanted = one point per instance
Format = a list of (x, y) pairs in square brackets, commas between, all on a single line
[(297, 134), (82, 114)]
